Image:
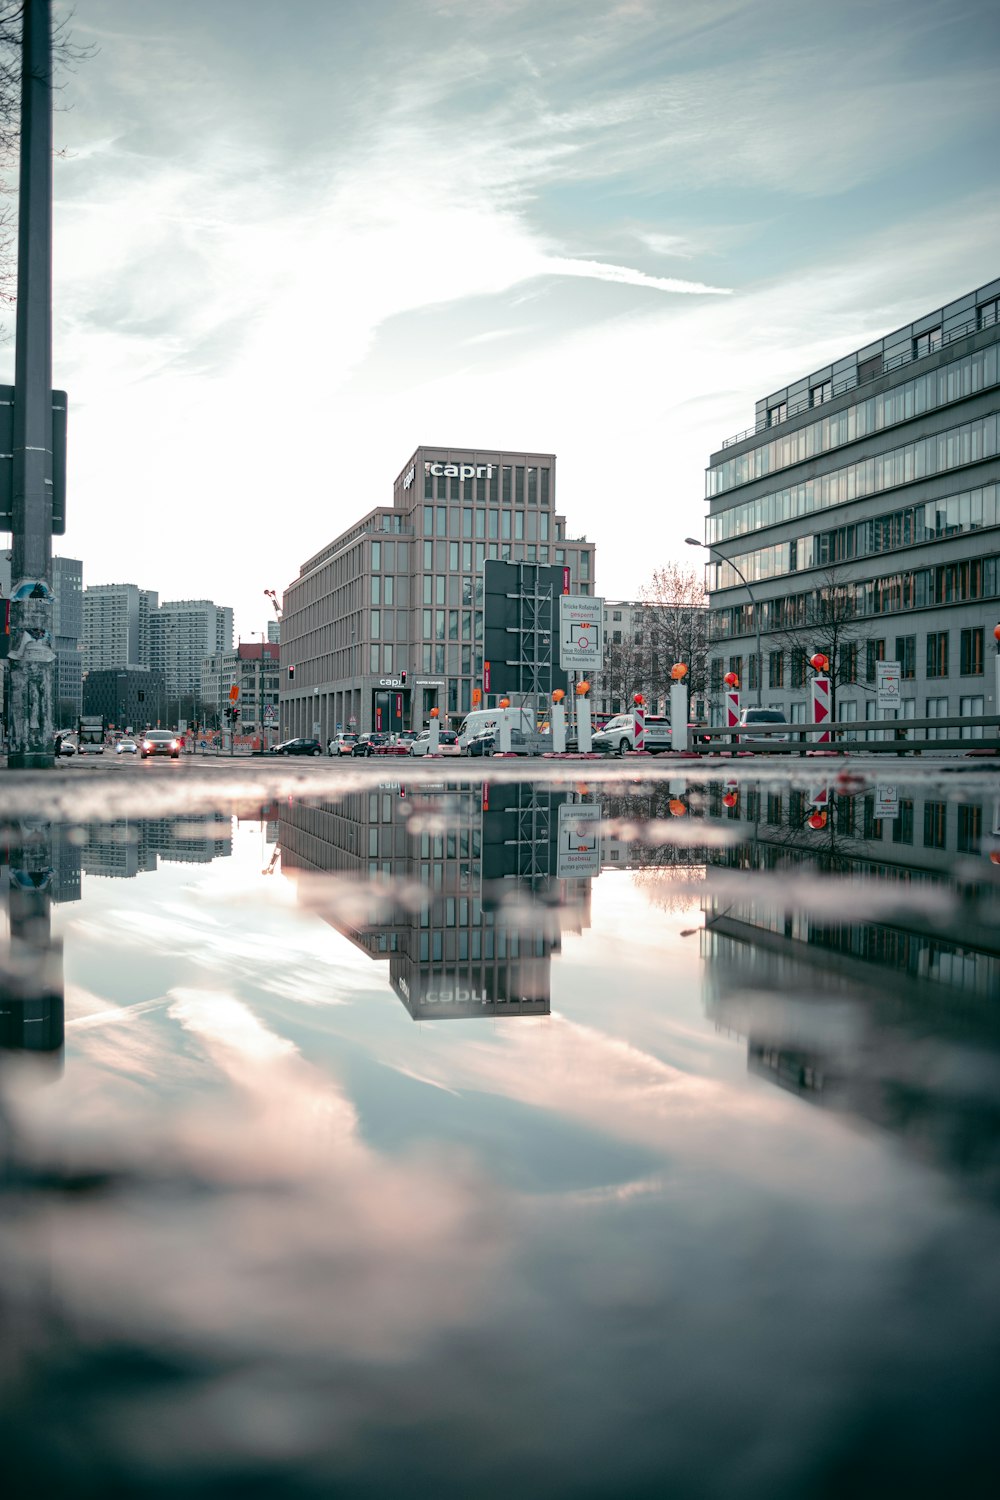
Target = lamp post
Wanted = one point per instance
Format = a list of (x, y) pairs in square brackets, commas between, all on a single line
[(694, 542), (996, 696)]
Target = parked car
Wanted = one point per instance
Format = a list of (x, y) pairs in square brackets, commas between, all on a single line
[(751, 716), (447, 743), (368, 744), (618, 735), (126, 747), (299, 746), (160, 742), (64, 745), (483, 742), (342, 744)]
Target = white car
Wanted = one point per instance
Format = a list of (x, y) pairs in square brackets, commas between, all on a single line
[(447, 743), (751, 716), (126, 747), (342, 744)]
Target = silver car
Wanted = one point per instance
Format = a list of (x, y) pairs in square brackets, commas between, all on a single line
[(751, 716)]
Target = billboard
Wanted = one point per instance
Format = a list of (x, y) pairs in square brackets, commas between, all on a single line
[(521, 628)]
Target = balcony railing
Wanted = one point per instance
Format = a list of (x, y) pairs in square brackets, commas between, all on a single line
[(851, 382)]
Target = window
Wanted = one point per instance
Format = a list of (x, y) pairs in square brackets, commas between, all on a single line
[(970, 827), (902, 825), (776, 668), (937, 708), (926, 343), (906, 655), (935, 824), (986, 316), (798, 672), (875, 652), (971, 652), (821, 393), (937, 653), (972, 708), (776, 414), (736, 666), (869, 368)]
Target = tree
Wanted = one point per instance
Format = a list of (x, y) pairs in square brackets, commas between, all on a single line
[(674, 624), (826, 620), (64, 55)]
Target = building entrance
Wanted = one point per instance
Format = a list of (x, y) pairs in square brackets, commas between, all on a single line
[(390, 710)]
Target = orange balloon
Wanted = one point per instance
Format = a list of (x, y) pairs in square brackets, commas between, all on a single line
[(731, 680), (678, 671), (505, 703), (638, 699), (730, 799), (677, 807), (558, 695), (435, 712), (817, 820), (582, 689)]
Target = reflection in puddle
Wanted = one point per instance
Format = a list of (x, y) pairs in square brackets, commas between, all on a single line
[(712, 1128)]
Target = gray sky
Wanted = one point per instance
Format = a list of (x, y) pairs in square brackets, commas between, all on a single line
[(294, 241)]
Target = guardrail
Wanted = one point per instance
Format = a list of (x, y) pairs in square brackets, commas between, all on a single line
[(874, 737), (851, 382)]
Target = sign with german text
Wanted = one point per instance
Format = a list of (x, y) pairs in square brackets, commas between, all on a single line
[(578, 840), (887, 684), (581, 633)]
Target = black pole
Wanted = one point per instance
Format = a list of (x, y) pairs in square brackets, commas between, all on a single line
[(32, 659)]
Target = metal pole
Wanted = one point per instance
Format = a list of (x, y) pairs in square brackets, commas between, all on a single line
[(32, 659), (693, 542)]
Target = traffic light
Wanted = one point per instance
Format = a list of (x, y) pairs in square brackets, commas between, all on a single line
[(402, 678), (291, 673)]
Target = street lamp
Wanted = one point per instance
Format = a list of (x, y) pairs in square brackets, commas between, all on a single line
[(693, 541)]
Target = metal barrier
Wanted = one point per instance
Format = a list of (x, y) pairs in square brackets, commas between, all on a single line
[(874, 737)]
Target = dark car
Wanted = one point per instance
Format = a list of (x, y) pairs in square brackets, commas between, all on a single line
[(298, 747), (160, 742), (369, 744), (483, 742)]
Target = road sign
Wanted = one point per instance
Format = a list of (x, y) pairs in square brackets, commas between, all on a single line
[(578, 839), (581, 633), (887, 684), (886, 802), (234, 692)]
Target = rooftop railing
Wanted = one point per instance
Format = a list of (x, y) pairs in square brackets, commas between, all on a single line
[(851, 382)]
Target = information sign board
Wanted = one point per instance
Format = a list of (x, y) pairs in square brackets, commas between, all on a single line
[(578, 848), (887, 684), (886, 801), (581, 633)]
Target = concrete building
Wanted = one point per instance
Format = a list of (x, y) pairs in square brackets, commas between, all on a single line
[(860, 518), (116, 620), (127, 698), (389, 614), (253, 668), (182, 633)]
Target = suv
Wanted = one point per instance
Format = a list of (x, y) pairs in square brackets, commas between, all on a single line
[(618, 735), (751, 716)]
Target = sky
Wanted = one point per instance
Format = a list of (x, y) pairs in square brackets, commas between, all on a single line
[(293, 242)]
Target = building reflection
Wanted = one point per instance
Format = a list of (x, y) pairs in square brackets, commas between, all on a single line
[(135, 846), (880, 999), (477, 901)]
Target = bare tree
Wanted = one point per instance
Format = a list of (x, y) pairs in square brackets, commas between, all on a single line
[(675, 628), (826, 620), (65, 54)]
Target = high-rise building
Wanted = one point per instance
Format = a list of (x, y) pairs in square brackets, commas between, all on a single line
[(116, 625), (389, 614), (860, 518), (253, 670), (182, 633), (67, 632)]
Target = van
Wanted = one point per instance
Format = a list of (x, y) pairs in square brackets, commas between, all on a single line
[(475, 722)]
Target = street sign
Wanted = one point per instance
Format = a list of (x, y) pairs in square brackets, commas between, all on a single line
[(234, 692), (581, 633), (886, 802), (578, 839), (887, 684)]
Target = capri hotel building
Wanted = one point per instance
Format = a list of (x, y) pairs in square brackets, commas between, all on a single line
[(386, 621)]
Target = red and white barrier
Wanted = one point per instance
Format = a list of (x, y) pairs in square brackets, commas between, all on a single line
[(732, 708), (820, 701), (639, 720)]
